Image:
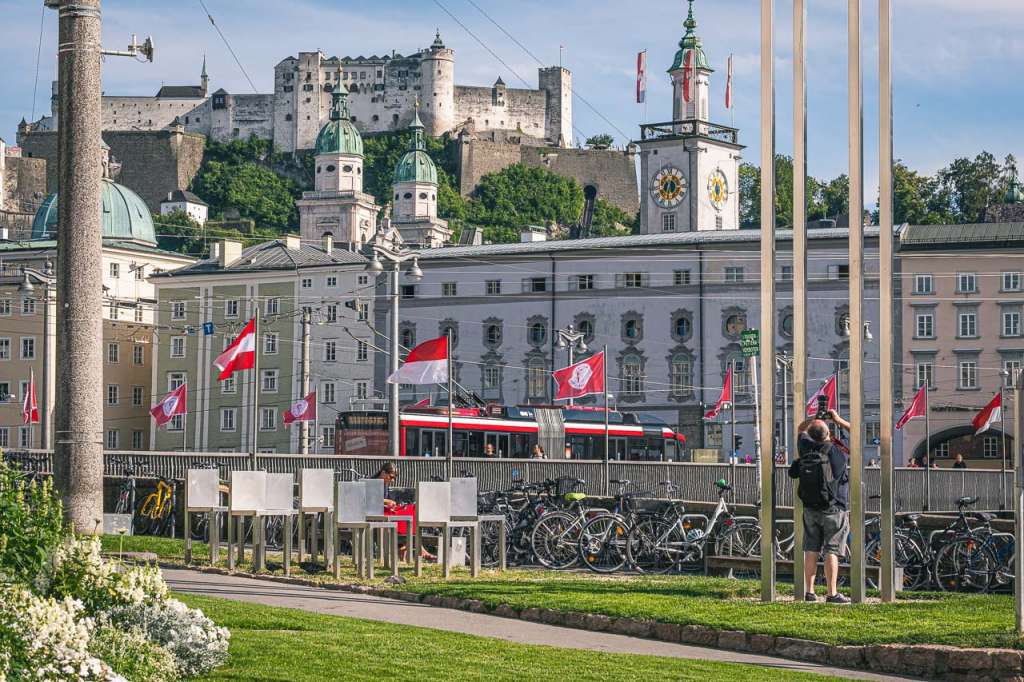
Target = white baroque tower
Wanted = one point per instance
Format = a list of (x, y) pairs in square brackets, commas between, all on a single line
[(689, 167), (415, 187), (338, 206)]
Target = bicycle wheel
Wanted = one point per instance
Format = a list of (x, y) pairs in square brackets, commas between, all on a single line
[(123, 499), (742, 541), (144, 516), (655, 545), (164, 521), (907, 555), (555, 539), (965, 565), (602, 544), (198, 527)]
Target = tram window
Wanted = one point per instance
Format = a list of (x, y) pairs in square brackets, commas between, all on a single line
[(460, 444), (521, 446), (412, 443)]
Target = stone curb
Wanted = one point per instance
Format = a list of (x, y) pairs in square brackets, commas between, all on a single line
[(931, 661)]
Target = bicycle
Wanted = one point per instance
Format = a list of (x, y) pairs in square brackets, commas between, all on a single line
[(604, 539), (27, 466), (967, 562), (156, 513), (556, 533)]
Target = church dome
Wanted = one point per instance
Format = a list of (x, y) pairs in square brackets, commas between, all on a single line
[(1015, 192), (125, 216), (690, 41), (416, 165), (339, 135)]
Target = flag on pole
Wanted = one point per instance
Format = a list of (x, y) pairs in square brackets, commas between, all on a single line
[(724, 398), (422, 403), (728, 85), (688, 77), (828, 389), (918, 407), (641, 77), (241, 354), (29, 408), (303, 410), (580, 379), (988, 415), (171, 405), (427, 363)]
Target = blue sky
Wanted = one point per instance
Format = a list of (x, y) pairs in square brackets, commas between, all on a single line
[(958, 63)]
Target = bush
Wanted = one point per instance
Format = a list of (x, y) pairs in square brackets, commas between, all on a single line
[(194, 641), (31, 523), (132, 655)]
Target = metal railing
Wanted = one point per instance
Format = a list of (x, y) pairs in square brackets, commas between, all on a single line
[(695, 481)]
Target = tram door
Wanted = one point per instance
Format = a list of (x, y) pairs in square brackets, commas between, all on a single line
[(618, 448), (500, 442)]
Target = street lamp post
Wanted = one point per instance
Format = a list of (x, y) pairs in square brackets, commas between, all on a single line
[(785, 365), (395, 258), (1004, 380), (571, 339)]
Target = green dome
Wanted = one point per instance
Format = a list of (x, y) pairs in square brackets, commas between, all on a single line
[(1015, 192), (339, 135), (690, 41), (125, 216), (416, 165)]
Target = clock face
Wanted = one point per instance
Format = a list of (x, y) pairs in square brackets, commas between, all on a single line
[(668, 187), (718, 189)]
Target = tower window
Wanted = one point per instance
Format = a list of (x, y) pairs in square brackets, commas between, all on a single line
[(423, 195), (407, 195), (347, 168), (668, 222), (331, 168)]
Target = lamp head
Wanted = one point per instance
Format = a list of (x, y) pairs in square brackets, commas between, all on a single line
[(414, 273), (375, 266)]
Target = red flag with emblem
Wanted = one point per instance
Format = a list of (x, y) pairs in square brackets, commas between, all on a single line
[(724, 399), (171, 405), (582, 378), (303, 410)]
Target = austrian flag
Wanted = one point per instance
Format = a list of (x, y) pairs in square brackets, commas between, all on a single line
[(427, 363), (582, 378), (241, 354)]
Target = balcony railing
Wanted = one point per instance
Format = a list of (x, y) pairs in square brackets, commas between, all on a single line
[(689, 128)]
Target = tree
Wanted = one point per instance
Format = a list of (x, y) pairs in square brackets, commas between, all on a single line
[(968, 187), (520, 195), (602, 141), (750, 195), (610, 220)]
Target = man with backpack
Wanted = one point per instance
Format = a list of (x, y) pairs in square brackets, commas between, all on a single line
[(824, 488)]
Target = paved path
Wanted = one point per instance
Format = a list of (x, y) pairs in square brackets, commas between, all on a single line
[(368, 607)]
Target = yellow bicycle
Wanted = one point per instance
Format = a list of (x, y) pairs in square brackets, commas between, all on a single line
[(156, 513)]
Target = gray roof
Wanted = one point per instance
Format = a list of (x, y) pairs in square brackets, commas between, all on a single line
[(180, 195), (630, 241), (183, 91), (974, 235), (273, 255)]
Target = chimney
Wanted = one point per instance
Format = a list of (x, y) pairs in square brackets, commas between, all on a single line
[(230, 252), (533, 233), (292, 242), (328, 243)]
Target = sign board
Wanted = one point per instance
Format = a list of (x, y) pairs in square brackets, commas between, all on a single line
[(750, 343), (705, 455)]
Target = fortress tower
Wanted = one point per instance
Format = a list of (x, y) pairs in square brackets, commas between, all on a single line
[(437, 94)]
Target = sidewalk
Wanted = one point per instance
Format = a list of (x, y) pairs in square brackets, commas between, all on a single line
[(338, 603)]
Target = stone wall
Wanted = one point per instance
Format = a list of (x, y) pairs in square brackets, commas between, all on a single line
[(152, 162), (502, 109), (25, 184), (612, 172)]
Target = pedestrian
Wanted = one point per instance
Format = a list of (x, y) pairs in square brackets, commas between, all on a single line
[(489, 450), (959, 462), (912, 463), (538, 451), (568, 451), (824, 488)]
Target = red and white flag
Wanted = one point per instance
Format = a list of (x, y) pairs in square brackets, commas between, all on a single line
[(241, 354), (580, 379), (171, 405), (724, 399), (641, 77), (688, 76), (728, 85), (918, 407), (989, 414), (29, 408), (828, 389), (427, 363), (422, 403), (303, 410)]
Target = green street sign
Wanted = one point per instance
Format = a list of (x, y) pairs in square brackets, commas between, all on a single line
[(750, 343)]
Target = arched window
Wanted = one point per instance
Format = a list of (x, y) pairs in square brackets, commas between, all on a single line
[(682, 327), (536, 379), (492, 335), (586, 327), (538, 333), (632, 329), (408, 337), (681, 375), (632, 377)]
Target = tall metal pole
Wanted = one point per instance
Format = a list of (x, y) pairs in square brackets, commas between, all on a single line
[(856, 204), (451, 405), (927, 451), (785, 409), (1018, 501), (799, 267), (254, 424), (304, 425), (885, 294), (767, 464), (604, 384), (569, 348), (733, 453), (393, 409), (78, 460), (1002, 429), (49, 358)]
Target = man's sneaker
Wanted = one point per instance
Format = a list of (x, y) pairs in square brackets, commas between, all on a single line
[(810, 596), (837, 599)]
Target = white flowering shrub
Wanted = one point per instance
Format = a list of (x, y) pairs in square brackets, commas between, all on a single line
[(197, 644), (46, 640), (131, 654)]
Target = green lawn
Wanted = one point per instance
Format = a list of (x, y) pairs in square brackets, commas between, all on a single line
[(955, 619), (279, 645)]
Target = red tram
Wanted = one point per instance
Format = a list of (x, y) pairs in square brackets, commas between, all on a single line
[(572, 432)]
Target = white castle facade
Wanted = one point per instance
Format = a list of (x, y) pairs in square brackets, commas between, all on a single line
[(384, 91)]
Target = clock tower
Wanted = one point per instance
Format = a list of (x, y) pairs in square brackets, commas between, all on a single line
[(689, 167)]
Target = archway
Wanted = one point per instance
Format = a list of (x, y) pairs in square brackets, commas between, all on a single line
[(987, 447)]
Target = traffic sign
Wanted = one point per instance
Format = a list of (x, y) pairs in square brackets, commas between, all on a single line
[(750, 343)]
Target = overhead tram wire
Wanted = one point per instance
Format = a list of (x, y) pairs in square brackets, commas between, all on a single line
[(228, 45), (39, 55)]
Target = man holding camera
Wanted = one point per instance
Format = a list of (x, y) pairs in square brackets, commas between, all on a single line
[(824, 489)]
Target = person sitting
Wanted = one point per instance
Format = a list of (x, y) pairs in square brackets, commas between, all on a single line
[(538, 452), (389, 474), (959, 463)]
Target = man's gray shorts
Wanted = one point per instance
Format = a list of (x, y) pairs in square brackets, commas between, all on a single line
[(826, 531)]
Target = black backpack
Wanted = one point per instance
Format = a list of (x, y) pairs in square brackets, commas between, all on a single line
[(818, 486)]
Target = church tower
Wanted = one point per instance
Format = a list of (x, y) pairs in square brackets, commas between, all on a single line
[(415, 188), (338, 206), (689, 167), (204, 79)]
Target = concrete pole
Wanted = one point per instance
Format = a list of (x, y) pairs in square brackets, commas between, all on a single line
[(799, 267), (254, 420), (304, 425), (393, 408), (885, 293), (78, 460), (856, 202), (767, 416)]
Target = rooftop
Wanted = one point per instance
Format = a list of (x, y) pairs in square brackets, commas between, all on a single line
[(272, 255), (182, 91), (183, 195), (40, 245), (974, 235)]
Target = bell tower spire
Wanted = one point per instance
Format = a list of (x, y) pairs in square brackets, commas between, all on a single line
[(690, 100), (204, 78)]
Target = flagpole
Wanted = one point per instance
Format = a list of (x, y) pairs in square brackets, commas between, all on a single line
[(451, 404), (316, 418), (732, 411), (1002, 430), (184, 424), (604, 388), (255, 426), (927, 450)]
